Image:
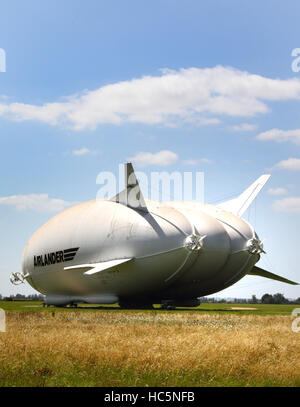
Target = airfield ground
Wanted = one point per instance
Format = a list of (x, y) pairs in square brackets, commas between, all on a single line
[(211, 345)]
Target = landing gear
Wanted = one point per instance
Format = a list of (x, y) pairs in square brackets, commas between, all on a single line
[(168, 307), (172, 304), (73, 305), (135, 305)]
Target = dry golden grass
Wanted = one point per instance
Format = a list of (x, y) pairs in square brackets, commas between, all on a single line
[(175, 348)]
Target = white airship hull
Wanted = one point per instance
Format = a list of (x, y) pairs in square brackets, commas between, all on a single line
[(137, 251), (100, 231)]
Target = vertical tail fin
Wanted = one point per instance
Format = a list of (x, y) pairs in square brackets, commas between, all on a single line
[(132, 195)]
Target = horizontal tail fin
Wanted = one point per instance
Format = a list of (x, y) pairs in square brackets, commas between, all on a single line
[(257, 271)]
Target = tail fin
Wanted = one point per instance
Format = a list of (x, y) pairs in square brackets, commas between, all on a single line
[(257, 271), (240, 204), (132, 195)]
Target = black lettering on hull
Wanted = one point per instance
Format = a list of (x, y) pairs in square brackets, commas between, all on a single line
[(59, 256)]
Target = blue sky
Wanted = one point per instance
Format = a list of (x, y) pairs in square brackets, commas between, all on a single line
[(210, 82)]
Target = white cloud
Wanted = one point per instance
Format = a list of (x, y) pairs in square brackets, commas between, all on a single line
[(291, 205), (175, 97), (84, 151), (280, 136), (81, 151), (35, 202), (243, 127), (277, 191), (197, 161), (292, 164), (161, 158)]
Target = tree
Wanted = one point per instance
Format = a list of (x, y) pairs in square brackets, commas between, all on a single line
[(19, 297), (253, 300), (279, 299), (267, 299)]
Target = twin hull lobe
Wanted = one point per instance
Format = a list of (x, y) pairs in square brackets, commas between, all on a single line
[(101, 230)]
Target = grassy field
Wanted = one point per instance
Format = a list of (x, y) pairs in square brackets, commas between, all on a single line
[(260, 309), (64, 347)]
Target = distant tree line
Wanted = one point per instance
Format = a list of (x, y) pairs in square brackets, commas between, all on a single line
[(265, 299), (277, 299), (21, 297)]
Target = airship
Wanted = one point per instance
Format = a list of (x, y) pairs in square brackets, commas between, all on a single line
[(138, 252)]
